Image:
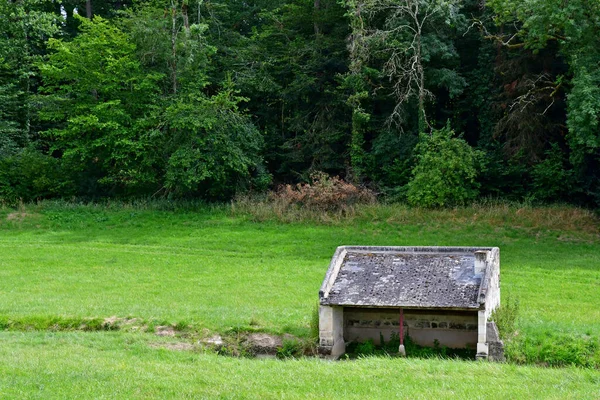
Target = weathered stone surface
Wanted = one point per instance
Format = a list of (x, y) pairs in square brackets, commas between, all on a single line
[(496, 346), (213, 341), (331, 331), (395, 279)]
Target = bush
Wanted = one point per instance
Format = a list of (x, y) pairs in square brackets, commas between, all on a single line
[(30, 175), (445, 171), (551, 180), (324, 193)]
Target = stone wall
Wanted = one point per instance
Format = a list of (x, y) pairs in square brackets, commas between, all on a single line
[(454, 329), (491, 282), (496, 346)]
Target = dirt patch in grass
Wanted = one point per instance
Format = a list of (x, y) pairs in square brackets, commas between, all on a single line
[(258, 344), (164, 330), (19, 216), (263, 343), (177, 346), (115, 323), (112, 320)]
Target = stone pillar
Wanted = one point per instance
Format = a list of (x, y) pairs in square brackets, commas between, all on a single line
[(331, 330), (482, 345), (480, 262)]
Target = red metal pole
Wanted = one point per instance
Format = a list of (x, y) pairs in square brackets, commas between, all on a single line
[(401, 326)]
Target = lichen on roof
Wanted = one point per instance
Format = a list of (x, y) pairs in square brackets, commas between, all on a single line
[(394, 278)]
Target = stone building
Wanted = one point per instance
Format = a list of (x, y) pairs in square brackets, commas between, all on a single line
[(432, 294)]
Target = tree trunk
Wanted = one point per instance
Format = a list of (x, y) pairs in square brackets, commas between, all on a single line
[(174, 46), (186, 19), (421, 75), (88, 8)]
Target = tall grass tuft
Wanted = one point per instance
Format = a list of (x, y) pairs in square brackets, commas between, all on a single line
[(554, 348), (506, 317), (314, 324)]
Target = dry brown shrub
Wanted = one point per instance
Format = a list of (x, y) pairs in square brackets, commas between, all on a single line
[(324, 193)]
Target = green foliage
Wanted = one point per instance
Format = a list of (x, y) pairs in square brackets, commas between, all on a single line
[(543, 23), (115, 123), (29, 175), (554, 348), (12, 136), (25, 25), (445, 172), (506, 317), (551, 178), (285, 57), (290, 348), (366, 348), (583, 107), (206, 99), (394, 161), (216, 148), (314, 324), (357, 153), (95, 97), (168, 43)]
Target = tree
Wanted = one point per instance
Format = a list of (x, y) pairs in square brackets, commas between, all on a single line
[(290, 76), (205, 145), (25, 25), (169, 43), (213, 149), (95, 94), (575, 27), (409, 35)]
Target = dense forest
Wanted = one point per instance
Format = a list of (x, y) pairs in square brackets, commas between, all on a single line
[(434, 102)]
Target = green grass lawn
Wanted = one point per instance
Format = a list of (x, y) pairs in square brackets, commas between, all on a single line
[(121, 365), (215, 269), (212, 270)]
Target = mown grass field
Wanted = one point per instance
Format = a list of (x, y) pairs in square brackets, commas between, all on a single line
[(219, 269), (117, 365)]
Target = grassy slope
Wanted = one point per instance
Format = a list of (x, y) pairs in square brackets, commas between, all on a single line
[(216, 271), (219, 271), (118, 365)]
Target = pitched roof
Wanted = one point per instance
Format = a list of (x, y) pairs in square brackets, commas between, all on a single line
[(428, 277)]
